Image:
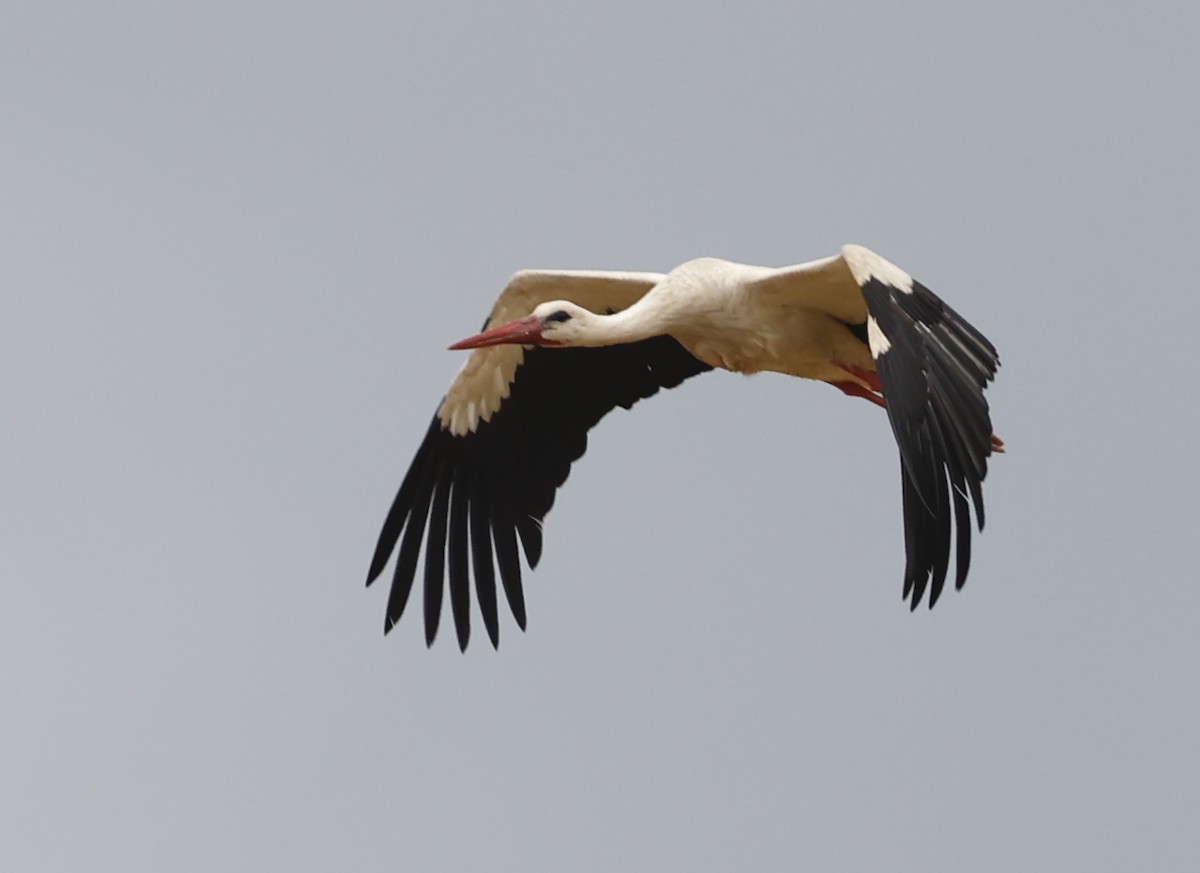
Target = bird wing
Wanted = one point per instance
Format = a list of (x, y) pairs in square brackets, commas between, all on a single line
[(933, 367), (502, 442)]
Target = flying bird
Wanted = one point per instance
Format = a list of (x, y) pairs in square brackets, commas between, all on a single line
[(562, 348)]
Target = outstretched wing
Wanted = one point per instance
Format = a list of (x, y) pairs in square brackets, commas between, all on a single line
[(501, 444), (933, 367)]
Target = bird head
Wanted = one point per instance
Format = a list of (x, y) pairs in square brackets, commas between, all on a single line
[(556, 323)]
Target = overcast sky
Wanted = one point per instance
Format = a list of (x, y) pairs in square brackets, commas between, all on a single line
[(235, 240)]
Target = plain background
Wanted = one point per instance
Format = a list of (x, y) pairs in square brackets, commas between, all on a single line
[(235, 239)]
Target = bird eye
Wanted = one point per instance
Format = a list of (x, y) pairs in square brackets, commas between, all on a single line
[(558, 317)]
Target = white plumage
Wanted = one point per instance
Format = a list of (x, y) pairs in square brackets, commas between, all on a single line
[(561, 348)]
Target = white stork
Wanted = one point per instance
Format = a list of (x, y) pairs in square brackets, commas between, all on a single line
[(564, 347)]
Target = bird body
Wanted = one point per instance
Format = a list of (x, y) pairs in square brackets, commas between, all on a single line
[(563, 347)]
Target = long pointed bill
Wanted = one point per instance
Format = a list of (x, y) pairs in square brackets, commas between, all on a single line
[(521, 331)]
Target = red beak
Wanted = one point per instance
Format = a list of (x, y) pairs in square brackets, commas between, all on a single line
[(522, 331)]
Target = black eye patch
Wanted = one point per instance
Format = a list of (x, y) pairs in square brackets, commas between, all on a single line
[(558, 317)]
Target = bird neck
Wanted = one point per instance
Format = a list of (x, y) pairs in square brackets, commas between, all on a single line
[(630, 325)]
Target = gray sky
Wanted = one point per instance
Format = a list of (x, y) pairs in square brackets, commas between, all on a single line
[(235, 241)]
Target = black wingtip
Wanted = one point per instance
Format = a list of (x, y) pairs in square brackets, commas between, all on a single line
[(934, 369), (483, 495), (380, 558)]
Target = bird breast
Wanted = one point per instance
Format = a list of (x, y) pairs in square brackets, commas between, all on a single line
[(798, 342)]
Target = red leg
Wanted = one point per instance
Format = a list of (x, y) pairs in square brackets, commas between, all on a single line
[(855, 390), (868, 376)]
